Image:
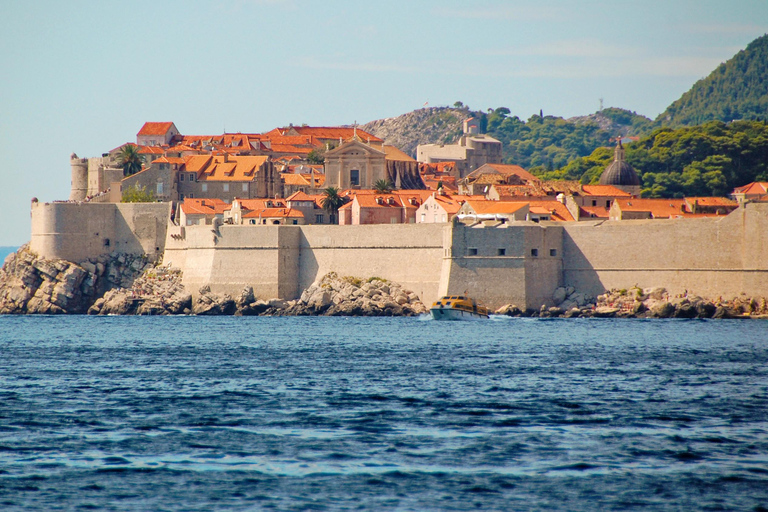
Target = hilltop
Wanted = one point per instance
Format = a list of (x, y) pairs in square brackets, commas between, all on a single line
[(435, 125), (736, 89)]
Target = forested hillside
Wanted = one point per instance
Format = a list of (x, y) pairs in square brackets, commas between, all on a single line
[(736, 89), (704, 160)]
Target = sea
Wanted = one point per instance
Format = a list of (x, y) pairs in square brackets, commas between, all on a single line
[(257, 413)]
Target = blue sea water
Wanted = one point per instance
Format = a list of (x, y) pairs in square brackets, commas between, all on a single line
[(252, 413)]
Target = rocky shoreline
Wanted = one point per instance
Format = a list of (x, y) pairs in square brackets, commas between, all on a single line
[(643, 303), (123, 284)]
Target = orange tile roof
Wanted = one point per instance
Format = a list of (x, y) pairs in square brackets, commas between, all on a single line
[(594, 212), (658, 208), (273, 213), (712, 201), (151, 150), (199, 206), (393, 153), (490, 207), (302, 196), (604, 190), (261, 203), (334, 132), (155, 128), (289, 148), (555, 208), (756, 187), (215, 168), (168, 160)]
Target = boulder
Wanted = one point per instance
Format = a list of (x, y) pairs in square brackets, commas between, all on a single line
[(559, 295), (662, 309)]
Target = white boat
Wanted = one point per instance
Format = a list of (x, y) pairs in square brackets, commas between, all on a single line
[(458, 307)]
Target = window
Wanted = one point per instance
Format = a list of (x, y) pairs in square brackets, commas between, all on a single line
[(159, 188), (594, 202), (444, 218), (204, 187), (472, 251), (295, 222), (393, 220), (181, 177), (553, 252), (608, 204), (192, 177), (226, 187), (423, 217), (318, 219), (502, 252), (354, 177), (245, 187), (534, 252), (253, 221)]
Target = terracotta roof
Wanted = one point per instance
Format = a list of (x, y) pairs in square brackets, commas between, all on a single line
[(168, 160), (304, 179), (450, 204), (556, 209), (658, 208), (604, 190), (393, 153), (334, 132), (289, 148), (513, 169), (151, 150), (198, 206), (491, 207), (273, 213), (754, 188), (712, 201), (216, 168), (303, 196), (594, 212), (155, 128), (261, 203)]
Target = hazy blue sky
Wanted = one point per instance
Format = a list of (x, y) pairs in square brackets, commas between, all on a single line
[(84, 76)]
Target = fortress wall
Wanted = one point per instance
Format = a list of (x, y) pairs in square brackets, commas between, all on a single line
[(78, 231), (496, 265), (709, 256), (409, 254)]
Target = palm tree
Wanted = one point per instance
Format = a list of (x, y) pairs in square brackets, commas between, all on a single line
[(331, 202), (129, 159), (383, 186)]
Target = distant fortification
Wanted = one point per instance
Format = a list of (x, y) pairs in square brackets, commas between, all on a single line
[(519, 262)]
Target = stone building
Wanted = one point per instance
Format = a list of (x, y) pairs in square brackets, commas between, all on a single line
[(354, 165), (470, 152)]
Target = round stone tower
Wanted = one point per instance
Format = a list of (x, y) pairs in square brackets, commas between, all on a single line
[(620, 174), (79, 178)]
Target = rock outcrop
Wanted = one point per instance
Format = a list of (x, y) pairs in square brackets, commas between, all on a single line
[(642, 303), (158, 291), (350, 296), (33, 285)]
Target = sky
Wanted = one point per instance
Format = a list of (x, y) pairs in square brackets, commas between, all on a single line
[(84, 76)]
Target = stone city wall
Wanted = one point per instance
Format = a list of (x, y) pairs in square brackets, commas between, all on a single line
[(79, 231), (710, 257)]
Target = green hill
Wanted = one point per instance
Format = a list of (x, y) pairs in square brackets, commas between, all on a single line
[(736, 89)]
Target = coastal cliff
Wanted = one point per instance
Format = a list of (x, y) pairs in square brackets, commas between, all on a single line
[(30, 284)]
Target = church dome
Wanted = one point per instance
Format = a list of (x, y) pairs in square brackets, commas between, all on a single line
[(619, 172)]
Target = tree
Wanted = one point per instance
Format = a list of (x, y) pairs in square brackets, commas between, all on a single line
[(129, 159), (316, 156), (137, 194), (331, 202), (383, 186)]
